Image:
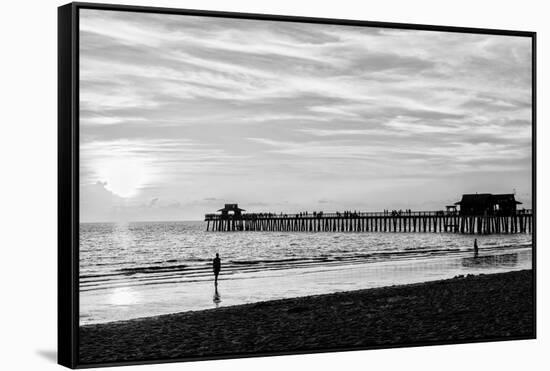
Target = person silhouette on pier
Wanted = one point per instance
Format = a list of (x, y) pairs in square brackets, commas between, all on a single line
[(217, 266), (476, 248)]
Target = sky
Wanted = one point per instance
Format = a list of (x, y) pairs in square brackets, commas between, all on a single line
[(181, 114)]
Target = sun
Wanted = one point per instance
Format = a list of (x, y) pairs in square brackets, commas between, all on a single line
[(124, 176)]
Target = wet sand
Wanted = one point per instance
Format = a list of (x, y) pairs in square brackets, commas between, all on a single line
[(473, 308)]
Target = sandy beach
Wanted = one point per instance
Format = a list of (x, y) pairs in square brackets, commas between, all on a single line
[(473, 308)]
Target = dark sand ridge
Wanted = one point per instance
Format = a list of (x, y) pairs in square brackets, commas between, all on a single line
[(484, 307)]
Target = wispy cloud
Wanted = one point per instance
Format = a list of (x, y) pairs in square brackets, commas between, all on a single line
[(278, 114)]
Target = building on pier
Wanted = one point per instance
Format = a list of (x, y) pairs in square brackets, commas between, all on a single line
[(229, 209), (488, 204)]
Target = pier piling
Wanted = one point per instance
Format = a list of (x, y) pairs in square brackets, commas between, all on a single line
[(417, 221)]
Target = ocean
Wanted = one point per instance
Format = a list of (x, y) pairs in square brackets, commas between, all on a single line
[(140, 269)]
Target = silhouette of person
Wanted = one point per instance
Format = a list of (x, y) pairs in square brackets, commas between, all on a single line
[(476, 249), (217, 266)]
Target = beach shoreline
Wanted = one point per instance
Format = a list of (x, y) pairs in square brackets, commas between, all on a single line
[(472, 308), (137, 299)]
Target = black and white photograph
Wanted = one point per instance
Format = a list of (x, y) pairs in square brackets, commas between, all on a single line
[(266, 186)]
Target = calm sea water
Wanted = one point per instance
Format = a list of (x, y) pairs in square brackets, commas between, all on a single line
[(140, 269)]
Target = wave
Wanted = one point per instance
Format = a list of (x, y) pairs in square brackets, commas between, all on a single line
[(152, 268), (269, 260), (169, 271)]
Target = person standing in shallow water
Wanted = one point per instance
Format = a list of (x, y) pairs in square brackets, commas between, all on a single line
[(217, 266), (476, 249)]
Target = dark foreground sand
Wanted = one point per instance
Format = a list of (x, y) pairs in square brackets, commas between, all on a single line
[(484, 307)]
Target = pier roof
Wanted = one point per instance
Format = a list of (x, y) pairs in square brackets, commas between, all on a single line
[(231, 207), (506, 197), (477, 197), (487, 198)]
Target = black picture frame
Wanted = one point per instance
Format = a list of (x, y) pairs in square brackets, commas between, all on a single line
[(68, 166)]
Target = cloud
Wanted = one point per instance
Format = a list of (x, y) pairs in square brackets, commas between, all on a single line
[(333, 110), (180, 108), (98, 203)]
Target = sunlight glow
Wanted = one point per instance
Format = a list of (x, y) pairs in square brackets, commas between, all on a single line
[(124, 175), (123, 296)]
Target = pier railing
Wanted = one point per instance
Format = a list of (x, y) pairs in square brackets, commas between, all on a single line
[(520, 221), (352, 214)]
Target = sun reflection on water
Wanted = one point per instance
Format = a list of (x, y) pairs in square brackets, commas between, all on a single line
[(123, 296)]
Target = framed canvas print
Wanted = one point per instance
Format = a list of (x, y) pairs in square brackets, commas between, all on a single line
[(236, 185)]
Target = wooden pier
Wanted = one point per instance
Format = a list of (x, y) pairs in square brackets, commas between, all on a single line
[(520, 221)]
